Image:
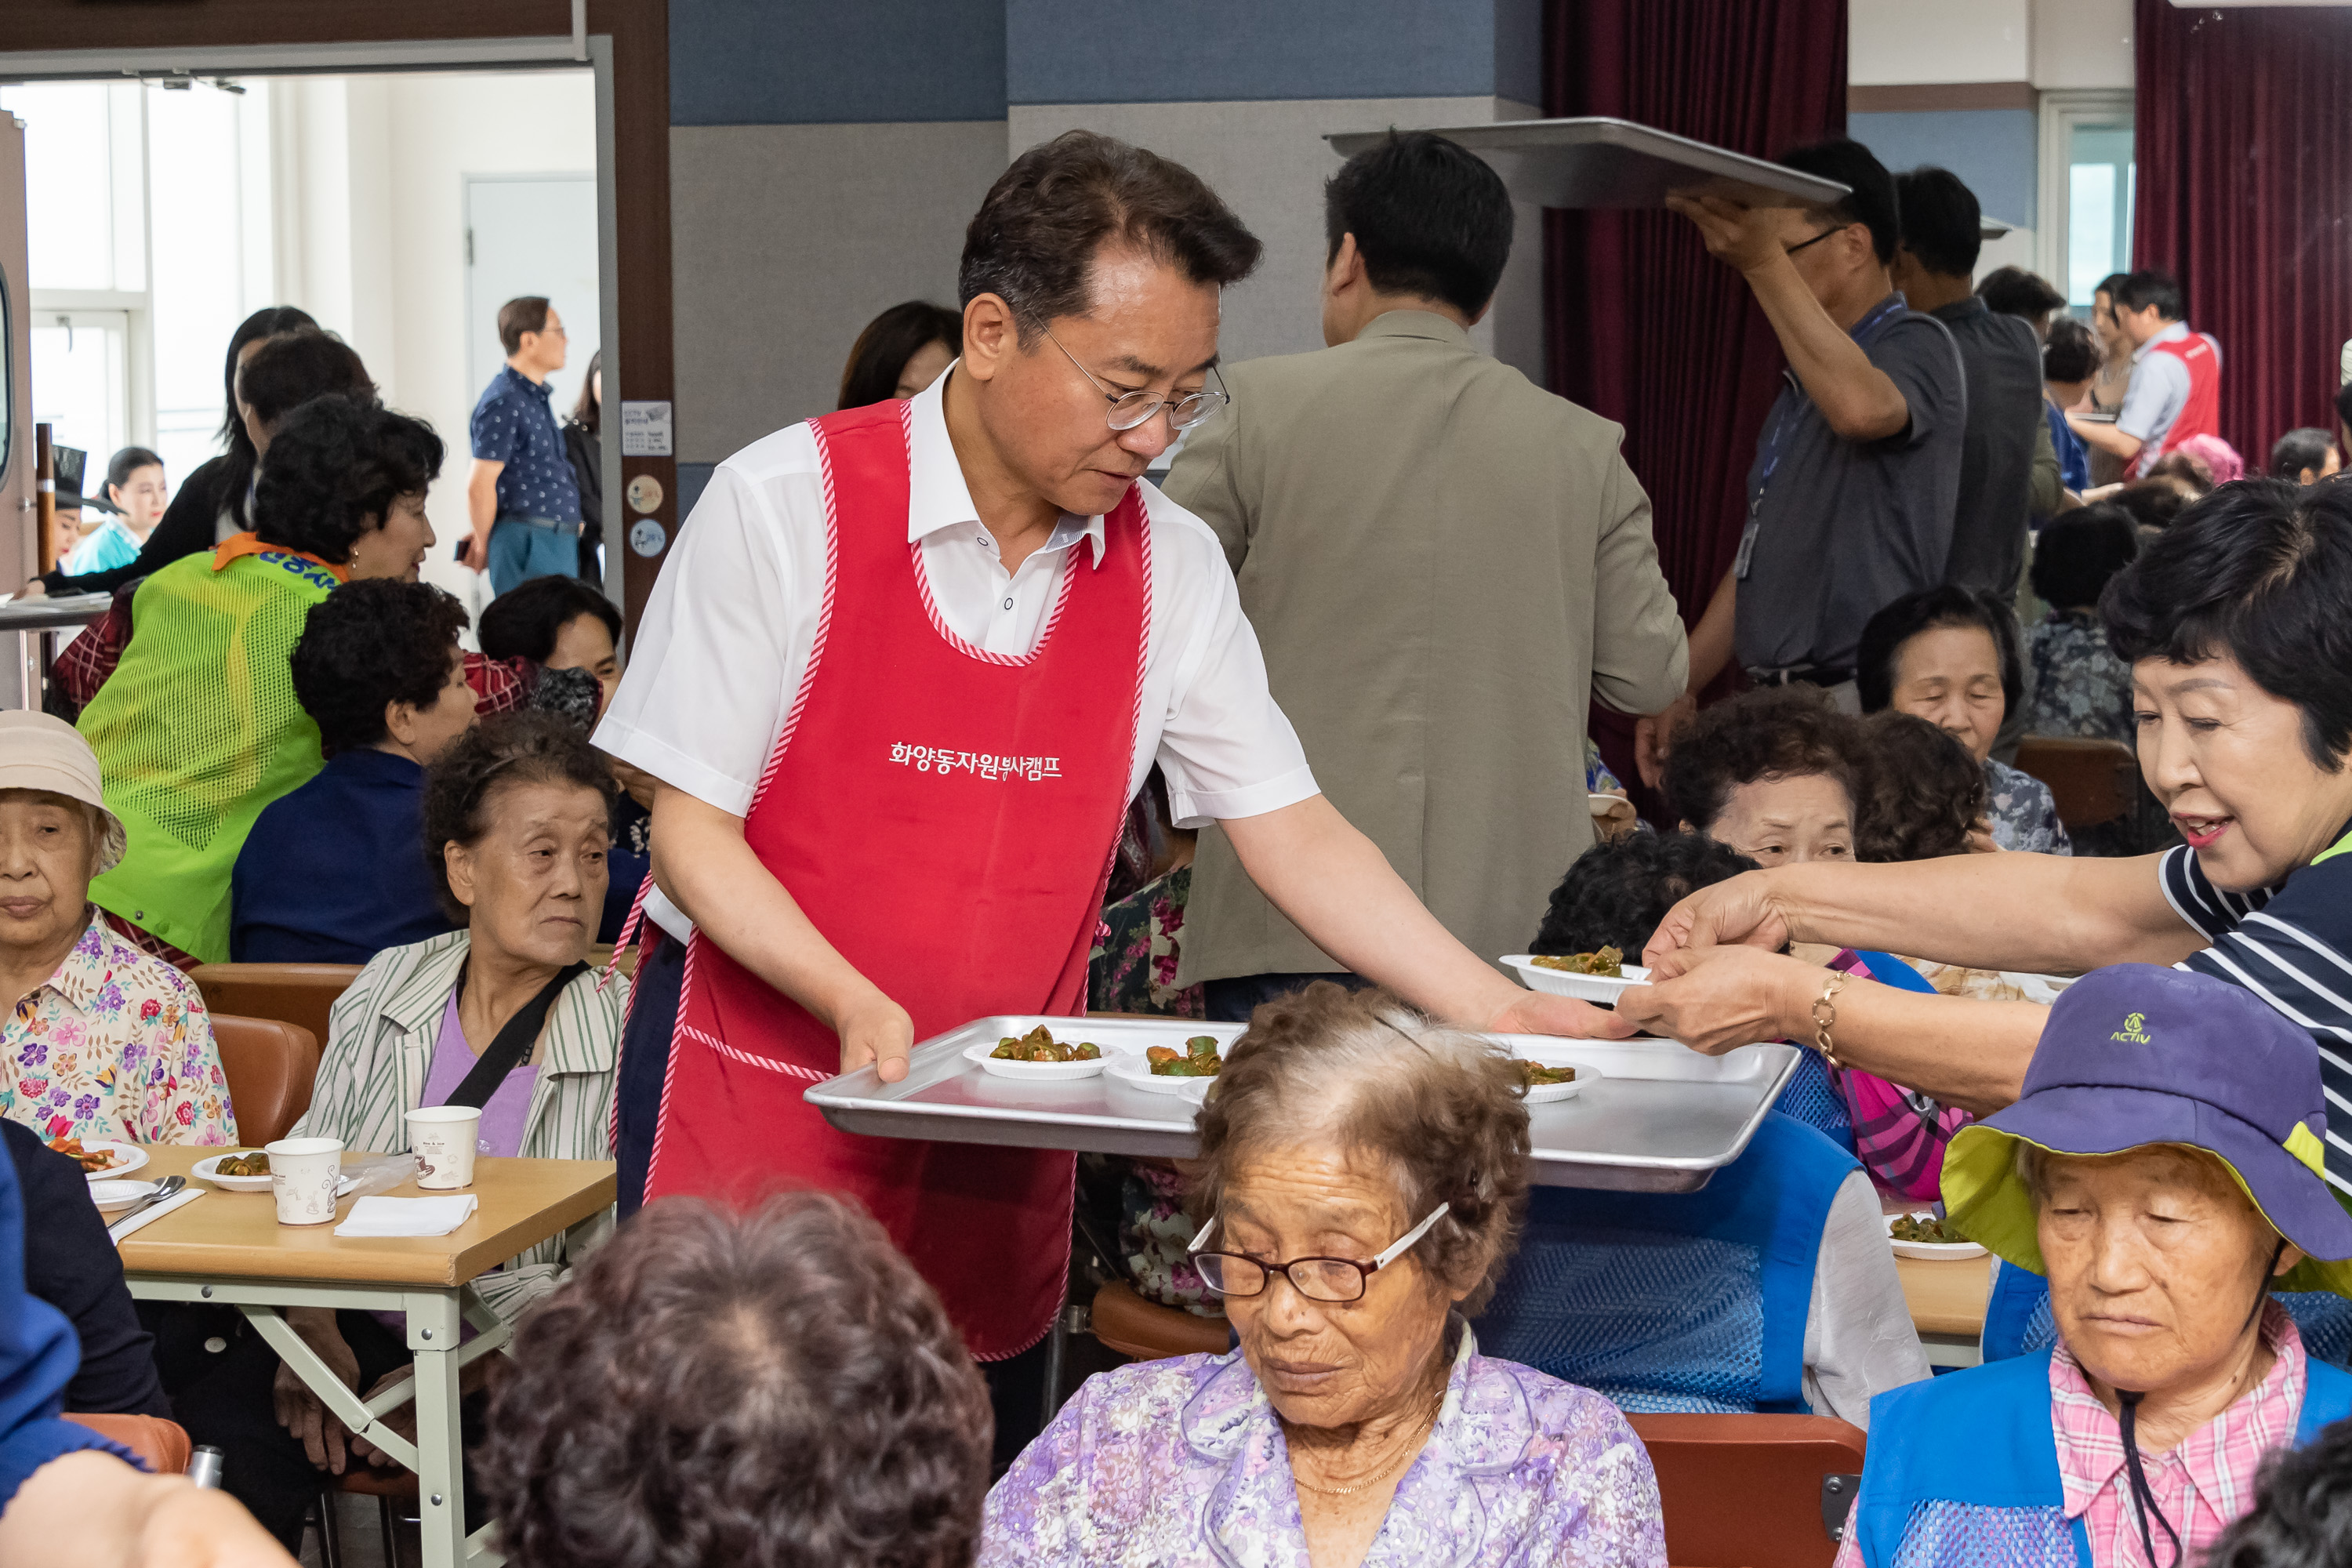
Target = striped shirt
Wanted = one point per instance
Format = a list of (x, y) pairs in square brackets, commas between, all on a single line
[(2292, 946), (380, 1039)]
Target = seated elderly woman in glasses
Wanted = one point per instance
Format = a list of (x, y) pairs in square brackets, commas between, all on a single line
[(1360, 1180), (2162, 1169)]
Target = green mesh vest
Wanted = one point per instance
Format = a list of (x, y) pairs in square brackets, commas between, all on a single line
[(196, 730)]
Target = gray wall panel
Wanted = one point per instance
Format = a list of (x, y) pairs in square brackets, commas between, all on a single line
[(794, 62), (1269, 160), (1148, 51), (787, 240)]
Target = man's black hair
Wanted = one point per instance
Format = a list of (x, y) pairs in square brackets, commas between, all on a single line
[(370, 644), (1616, 893), (2079, 553), (2149, 287), (1429, 217), (523, 622), (2302, 1516), (1883, 635), (2071, 353), (2109, 284), (1871, 200), (2014, 292), (2300, 449), (2260, 572), (334, 470), (1943, 224)]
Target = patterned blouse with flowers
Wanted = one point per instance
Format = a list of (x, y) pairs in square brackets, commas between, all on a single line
[(115, 1045)]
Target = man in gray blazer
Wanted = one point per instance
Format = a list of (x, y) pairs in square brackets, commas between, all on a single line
[(1443, 564)]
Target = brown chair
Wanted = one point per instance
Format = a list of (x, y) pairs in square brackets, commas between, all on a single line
[(2092, 781), (290, 993), (271, 1066), (162, 1445), (1149, 1331), (1752, 1491)]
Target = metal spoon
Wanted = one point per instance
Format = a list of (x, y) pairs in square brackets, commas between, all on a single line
[(164, 1189)]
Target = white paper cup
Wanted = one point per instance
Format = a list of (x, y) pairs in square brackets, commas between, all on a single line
[(443, 1138), (302, 1176)]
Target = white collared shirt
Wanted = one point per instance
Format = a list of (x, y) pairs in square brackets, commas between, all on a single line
[(728, 632)]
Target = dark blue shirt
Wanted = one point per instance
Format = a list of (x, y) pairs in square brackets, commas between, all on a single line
[(513, 424), (335, 872), (2073, 457)]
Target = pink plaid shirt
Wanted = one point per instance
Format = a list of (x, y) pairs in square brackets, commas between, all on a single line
[(2202, 1485)]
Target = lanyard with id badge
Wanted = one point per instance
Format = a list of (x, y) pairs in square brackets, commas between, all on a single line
[(1777, 440)]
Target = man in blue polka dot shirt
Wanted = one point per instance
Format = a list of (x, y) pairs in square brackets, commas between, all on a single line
[(524, 502)]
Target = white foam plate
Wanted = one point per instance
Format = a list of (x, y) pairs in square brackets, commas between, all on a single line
[(113, 1197), (1034, 1072), (1131, 1069), (204, 1168), (1560, 983), (1544, 1094), (1934, 1251), (128, 1157)]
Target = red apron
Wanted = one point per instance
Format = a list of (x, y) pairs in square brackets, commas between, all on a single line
[(946, 818), (2201, 413)]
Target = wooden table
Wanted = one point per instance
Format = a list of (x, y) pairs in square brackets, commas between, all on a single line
[(1947, 1305), (227, 1248)]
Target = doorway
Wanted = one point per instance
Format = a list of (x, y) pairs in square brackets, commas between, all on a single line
[(531, 234)]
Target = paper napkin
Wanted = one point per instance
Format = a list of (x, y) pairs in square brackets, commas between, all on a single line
[(407, 1216), (147, 1217)]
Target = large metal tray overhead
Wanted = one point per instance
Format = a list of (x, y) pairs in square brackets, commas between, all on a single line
[(1603, 162), (1662, 1119)]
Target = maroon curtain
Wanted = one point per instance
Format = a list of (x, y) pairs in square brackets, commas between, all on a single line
[(1644, 326), (2245, 194)]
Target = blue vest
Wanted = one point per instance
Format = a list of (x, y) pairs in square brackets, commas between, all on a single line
[(1963, 1469), (1689, 1301), (2018, 1318)]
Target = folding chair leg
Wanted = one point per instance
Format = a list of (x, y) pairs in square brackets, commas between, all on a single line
[(383, 1518), (330, 1542)]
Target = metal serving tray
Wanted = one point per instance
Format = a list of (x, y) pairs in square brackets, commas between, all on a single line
[(1662, 1119), (1597, 162)]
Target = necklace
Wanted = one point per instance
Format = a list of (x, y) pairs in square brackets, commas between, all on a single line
[(1427, 1424)]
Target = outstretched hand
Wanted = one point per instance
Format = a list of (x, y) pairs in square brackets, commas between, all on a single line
[(1538, 1013), (1741, 912), (1716, 999)]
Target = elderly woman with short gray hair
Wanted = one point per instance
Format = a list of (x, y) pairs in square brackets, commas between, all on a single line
[(1360, 1186)]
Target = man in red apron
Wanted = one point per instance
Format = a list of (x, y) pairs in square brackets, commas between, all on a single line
[(2176, 380), (898, 681)]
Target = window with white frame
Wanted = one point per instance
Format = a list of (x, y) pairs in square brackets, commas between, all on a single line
[(2089, 186), (148, 205)]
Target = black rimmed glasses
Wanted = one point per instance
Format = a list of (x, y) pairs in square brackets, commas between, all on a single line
[(1808, 244), (1317, 1278), (1129, 409)]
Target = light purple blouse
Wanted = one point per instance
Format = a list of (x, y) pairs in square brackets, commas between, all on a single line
[(510, 1107), (1181, 1462)]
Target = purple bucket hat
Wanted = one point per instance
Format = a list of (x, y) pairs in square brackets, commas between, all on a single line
[(2137, 1054)]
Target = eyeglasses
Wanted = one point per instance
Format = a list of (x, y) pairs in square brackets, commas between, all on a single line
[(1317, 1278), (1129, 409), (1792, 250)]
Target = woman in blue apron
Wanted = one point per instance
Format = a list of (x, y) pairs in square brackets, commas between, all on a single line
[(2162, 1169)]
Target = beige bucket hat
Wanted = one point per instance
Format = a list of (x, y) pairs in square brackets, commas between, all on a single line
[(40, 751)]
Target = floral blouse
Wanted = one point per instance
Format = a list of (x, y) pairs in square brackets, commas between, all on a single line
[(2081, 690), (2024, 814), (1180, 1463), (115, 1045), (1132, 968)]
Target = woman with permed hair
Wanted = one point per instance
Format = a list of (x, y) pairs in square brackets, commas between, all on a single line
[(199, 728), (1361, 1181), (505, 1014)]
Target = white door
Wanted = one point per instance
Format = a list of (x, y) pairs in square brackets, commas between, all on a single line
[(531, 234), (79, 387)]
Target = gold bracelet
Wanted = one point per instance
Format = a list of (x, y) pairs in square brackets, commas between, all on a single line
[(1825, 1018)]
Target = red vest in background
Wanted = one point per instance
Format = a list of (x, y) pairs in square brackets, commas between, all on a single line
[(2202, 414), (946, 818)]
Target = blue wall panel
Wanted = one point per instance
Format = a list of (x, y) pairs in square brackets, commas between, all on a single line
[(1995, 151), (1151, 51), (791, 62)]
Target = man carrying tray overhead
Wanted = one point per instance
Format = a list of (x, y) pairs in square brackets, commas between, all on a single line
[(898, 682)]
